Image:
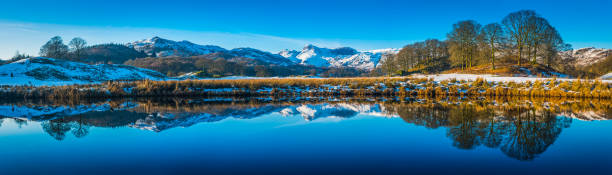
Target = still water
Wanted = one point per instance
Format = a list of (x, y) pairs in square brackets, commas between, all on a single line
[(297, 136)]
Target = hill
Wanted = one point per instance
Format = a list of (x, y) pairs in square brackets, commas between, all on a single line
[(109, 53), (48, 71)]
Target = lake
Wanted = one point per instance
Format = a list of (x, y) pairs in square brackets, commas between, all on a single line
[(307, 136)]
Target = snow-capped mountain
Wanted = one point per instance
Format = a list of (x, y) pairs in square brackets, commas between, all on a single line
[(261, 55), (586, 56), (159, 47), (310, 55), (338, 57), (48, 71)]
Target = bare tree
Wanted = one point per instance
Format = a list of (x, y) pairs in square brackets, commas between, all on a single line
[(463, 43), (388, 64), (492, 35), (54, 48), (77, 45), (516, 25)]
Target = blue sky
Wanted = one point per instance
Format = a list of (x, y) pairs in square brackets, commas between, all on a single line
[(275, 25)]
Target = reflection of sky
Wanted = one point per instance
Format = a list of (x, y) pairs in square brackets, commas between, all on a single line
[(361, 144)]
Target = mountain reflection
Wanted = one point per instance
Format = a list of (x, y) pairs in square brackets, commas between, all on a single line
[(521, 129)]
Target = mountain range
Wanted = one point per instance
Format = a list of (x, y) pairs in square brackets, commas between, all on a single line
[(309, 55), (317, 56), (50, 71)]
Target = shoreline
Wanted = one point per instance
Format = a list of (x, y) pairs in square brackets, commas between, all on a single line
[(431, 86)]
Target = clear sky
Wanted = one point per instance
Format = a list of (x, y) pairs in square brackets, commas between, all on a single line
[(274, 25)]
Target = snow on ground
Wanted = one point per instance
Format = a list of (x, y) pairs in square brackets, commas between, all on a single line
[(42, 71), (252, 78), (607, 76), (438, 77), (488, 77)]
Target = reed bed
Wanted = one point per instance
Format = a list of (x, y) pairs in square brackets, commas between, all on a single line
[(292, 87)]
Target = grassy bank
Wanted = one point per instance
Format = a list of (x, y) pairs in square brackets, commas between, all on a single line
[(358, 87)]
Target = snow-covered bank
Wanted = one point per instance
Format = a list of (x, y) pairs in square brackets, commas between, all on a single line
[(42, 71), (436, 77), (488, 77)]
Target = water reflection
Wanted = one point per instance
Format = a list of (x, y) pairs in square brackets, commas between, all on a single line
[(521, 129)]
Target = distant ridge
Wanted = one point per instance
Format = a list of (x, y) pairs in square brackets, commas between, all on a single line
[(309, 55)]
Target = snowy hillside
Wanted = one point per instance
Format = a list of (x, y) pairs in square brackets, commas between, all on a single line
[(586, 56), (338, 57), (261, 55), (48, 71)]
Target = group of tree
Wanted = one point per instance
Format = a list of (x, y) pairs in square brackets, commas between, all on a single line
[(55, 48), (78, 50), (428, 56), (521, 37)]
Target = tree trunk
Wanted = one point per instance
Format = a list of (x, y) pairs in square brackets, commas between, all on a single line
[(520, 49), (493, 58)]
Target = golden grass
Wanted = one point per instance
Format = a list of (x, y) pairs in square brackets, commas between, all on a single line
[(371, 86)]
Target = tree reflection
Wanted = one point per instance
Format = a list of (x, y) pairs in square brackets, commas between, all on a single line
[(520, 132), (59, 127), (532, 133), (80, 129), (521, 129), (56, 128)]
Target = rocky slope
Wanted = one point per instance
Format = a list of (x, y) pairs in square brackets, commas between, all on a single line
[(586, 56)]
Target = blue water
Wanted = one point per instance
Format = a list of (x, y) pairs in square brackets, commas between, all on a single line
[(336, 139)]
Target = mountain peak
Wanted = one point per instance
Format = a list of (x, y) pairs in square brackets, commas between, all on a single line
[(155, 39), (157, 46), (310, 47)]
